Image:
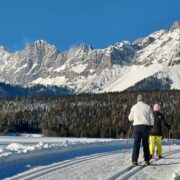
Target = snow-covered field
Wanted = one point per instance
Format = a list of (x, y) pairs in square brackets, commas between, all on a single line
[(36, 157)]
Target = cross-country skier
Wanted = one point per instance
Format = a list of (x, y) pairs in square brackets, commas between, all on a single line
[(142, 116), (156, 132)]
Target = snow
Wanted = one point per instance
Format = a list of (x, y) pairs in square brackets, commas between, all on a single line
[(132, 76), (79, 68), (174, 74), (175, 175), (27, 143), (157, 34), (91, 70), (50, 81), (81, 158), (161, 49), (61, 68), (105, 78), (22, 67), (157, 55), (34, 66), (14, 148), (105, 168), (18, 153)]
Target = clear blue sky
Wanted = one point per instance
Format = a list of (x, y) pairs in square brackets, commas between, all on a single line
[(66, 23)]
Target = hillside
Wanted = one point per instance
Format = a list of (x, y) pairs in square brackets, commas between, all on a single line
[(86, 115)]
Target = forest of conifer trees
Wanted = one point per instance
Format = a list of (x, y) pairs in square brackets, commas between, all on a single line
[(85, 115)]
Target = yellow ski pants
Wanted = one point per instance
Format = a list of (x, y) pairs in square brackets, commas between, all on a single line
[(153, 142)]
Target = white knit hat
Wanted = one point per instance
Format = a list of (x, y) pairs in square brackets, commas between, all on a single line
[(139, 97)]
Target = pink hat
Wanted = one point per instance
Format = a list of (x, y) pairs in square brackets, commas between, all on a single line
[(156, 107)]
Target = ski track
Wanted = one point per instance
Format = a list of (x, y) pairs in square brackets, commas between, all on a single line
[(104, 169), (52, 168), (136, 170), (163, 169)]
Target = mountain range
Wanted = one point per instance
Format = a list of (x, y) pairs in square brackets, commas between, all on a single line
[(152, 62)]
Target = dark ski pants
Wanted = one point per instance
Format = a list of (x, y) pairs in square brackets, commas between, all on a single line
[(141, 132)]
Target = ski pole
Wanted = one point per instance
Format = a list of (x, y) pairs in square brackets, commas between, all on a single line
[(154, 161), (170, 143), (126, 146), (125, 150)]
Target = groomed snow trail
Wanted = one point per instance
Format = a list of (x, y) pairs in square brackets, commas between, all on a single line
[(139, 171), (19, 154), (40, 172), (109, 166)]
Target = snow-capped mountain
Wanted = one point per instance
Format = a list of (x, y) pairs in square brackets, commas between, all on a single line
[(84, 69)]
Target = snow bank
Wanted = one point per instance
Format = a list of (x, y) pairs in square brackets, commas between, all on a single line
[(24, 144), (22, 153), (19, 148)]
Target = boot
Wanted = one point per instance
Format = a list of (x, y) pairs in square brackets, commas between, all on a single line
[(150, 157), (147, 163), (134, 164)]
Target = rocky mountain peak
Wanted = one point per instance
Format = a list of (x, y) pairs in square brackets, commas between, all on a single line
[(2, 48), (41, 44), (175, 25), (85, 47), (40, 49), (3, 51), (86, 69)]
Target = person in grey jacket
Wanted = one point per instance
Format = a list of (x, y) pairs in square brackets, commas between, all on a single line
[(142, 116)]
